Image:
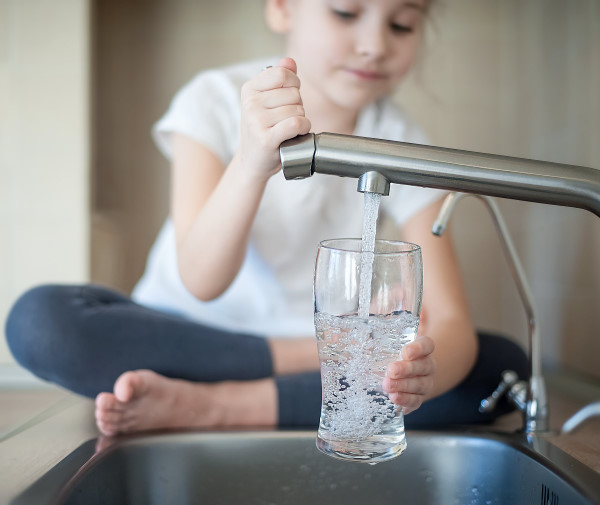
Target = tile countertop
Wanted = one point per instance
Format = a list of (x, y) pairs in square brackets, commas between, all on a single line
[(38, 428)]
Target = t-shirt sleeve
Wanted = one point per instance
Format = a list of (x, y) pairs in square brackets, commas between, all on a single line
[(204, 110), (406, 201)]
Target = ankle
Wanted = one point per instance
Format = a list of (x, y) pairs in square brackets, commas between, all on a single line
[(293, 355), (197, 401), (246, 403)]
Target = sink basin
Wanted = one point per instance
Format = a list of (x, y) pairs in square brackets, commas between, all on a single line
[(284, 467)]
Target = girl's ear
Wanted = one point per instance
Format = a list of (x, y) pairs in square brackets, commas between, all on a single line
[(277, 13)]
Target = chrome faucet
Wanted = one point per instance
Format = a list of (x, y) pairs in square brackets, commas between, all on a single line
[(376, 163), (529, 397)]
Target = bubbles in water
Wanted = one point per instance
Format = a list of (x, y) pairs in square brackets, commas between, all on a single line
[(354, 355)]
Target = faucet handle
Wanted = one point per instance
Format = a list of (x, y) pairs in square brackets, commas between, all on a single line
[(509, 379), (297, 156)]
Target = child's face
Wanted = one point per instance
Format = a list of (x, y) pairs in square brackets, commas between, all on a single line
[(353, 51)]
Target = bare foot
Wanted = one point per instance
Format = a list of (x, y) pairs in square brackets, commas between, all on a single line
[(143, 400)]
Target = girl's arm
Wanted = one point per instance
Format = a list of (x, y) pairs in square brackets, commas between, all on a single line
[(213, 206), (439, 361)]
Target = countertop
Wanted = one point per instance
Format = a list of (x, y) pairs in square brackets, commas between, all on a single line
[(40, 427)]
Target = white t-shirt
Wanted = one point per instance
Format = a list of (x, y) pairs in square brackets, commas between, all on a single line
[(272, 293)]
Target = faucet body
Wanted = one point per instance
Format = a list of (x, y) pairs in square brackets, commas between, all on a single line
[(376, 163), (442, 168), (529, 397)]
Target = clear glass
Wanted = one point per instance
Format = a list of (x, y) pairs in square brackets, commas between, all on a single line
[(358, 421)]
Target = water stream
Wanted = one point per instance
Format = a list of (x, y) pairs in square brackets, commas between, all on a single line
[(370, 213)]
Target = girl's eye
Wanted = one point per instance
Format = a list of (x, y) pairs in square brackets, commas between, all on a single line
[(346, 15), (397, 28)]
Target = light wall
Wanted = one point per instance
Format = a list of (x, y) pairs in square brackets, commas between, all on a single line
[(500, 76), (142, 55), (44, 146)]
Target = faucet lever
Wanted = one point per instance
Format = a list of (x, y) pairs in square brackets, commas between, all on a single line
[(509, 379)]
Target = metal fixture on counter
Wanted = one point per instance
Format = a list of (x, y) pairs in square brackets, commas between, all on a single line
[(530, 398), (376, 163), (438, 167)]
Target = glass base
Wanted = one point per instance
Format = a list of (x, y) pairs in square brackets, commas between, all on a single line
[(372, 450)]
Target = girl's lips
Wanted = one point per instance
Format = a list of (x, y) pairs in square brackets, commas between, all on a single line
[(366, 74)]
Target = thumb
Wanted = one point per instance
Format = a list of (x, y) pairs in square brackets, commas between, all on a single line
[(288, 63)]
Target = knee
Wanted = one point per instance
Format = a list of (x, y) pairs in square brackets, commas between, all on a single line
[(33, 323)]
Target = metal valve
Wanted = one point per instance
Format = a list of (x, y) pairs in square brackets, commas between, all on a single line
[(509, 379)]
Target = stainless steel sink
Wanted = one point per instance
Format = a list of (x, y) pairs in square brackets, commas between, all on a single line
[(285, 468)]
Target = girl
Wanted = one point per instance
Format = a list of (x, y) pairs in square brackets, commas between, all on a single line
[(221, 331)]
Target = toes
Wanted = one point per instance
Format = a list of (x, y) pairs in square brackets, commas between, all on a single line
[(108, 401), (106, 428), (112, 415), (112, 423), (109, 416), (129, 385)]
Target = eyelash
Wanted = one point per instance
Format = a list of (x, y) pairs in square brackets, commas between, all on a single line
[(349, 16), (346, 16), (401, 28)]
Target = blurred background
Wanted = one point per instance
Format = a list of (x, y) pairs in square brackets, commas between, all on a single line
[(83, 190)]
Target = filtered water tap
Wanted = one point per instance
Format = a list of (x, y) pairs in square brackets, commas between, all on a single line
[(442, 168), (377, 163), (528, 396)]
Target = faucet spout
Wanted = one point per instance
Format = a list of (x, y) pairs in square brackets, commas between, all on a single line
[(373, 182), (442, 168)]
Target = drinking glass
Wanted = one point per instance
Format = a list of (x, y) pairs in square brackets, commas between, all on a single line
[(358, 337)]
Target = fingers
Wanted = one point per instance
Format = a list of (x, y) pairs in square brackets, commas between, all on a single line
[(272, 103), (422, 346), (281, 96), (409, 381), (409, 402), (273, 78), (414, 360), (273, 116), (272, 112), (413, 385), (291, 127), (409, 393), (288, 63), (407, 369)]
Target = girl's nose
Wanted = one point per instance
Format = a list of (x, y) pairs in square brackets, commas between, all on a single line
[(371, 40)]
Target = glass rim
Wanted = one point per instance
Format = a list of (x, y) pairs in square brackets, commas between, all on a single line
[(330, 244)]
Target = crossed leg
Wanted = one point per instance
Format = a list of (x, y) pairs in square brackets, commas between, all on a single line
[(151, 370)]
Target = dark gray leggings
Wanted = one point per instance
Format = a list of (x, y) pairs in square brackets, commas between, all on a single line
[(83, 337)]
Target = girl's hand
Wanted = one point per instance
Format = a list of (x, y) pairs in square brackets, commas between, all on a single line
[(272, 112), (410, 380)]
